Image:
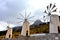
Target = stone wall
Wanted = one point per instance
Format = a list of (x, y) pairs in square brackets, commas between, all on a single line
[(46, 37)]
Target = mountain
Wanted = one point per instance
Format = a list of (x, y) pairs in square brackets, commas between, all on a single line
[(3, 32), (33, 27), (17, 28), (37, 22)]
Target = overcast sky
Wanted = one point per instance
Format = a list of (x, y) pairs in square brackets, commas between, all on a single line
[(10, 9)]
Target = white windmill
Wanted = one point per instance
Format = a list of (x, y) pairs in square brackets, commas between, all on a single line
[(53, 18), (9, 32), (26, 24), (49, 10)]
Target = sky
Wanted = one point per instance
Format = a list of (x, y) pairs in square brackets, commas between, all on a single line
[(10, 10)]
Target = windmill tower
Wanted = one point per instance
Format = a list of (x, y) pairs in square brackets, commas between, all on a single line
[(52, 18), (9, 32), (26, 24)]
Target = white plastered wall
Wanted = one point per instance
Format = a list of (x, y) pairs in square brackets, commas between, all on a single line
[(25, 28), (54, 23)]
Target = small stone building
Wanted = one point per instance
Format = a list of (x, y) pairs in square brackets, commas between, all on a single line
[(9, 32), (25, 29), (54, 24)]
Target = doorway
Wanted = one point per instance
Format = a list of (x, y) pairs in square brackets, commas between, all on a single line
[(26, 33), (58, 29)]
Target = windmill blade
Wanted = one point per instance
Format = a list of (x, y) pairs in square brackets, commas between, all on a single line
[(19, 22), (59, 11), (48, 8), (50, 5), (54, 10), (44, 20), (30, 17), (45, 11), (25, 14), (31, 20), (20, 18), (53, 6), (29, 14), (21, 15), (43, 16), (49, 14)]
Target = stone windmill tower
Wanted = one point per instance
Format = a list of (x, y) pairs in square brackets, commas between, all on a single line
[(9, 32), (26, 24), (54, 19)]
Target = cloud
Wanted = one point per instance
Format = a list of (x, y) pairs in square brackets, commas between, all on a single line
[(3, 25), (9, 9)]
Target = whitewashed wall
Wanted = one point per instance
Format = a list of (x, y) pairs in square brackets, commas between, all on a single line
[(54, 23)]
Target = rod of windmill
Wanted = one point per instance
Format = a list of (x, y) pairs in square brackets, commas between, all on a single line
[(49, 10), (26, 23)]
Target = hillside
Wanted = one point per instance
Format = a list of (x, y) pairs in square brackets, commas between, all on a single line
[(34, 29)]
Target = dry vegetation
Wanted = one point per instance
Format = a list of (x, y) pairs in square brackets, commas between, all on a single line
[(42, 28)]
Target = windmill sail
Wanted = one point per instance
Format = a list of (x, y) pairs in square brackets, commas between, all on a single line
[(21, 15), (19, 21), (54, 10), (29, 14), (31, 17), (31, 20), (50, 8), (26, 24), (20, 18), (43, 16), (50, 5), (47, 7), (53, 6), (25, 14), (45, 11)]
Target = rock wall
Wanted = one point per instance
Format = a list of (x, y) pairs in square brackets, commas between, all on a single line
[(46, 37)]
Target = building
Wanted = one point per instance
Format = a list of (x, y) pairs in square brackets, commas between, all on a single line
[(25, 29), (9, 32), (54, 24)]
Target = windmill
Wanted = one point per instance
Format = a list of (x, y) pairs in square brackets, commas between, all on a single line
[(26, 24), (49, 10), (9, 32), (54, 19)]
